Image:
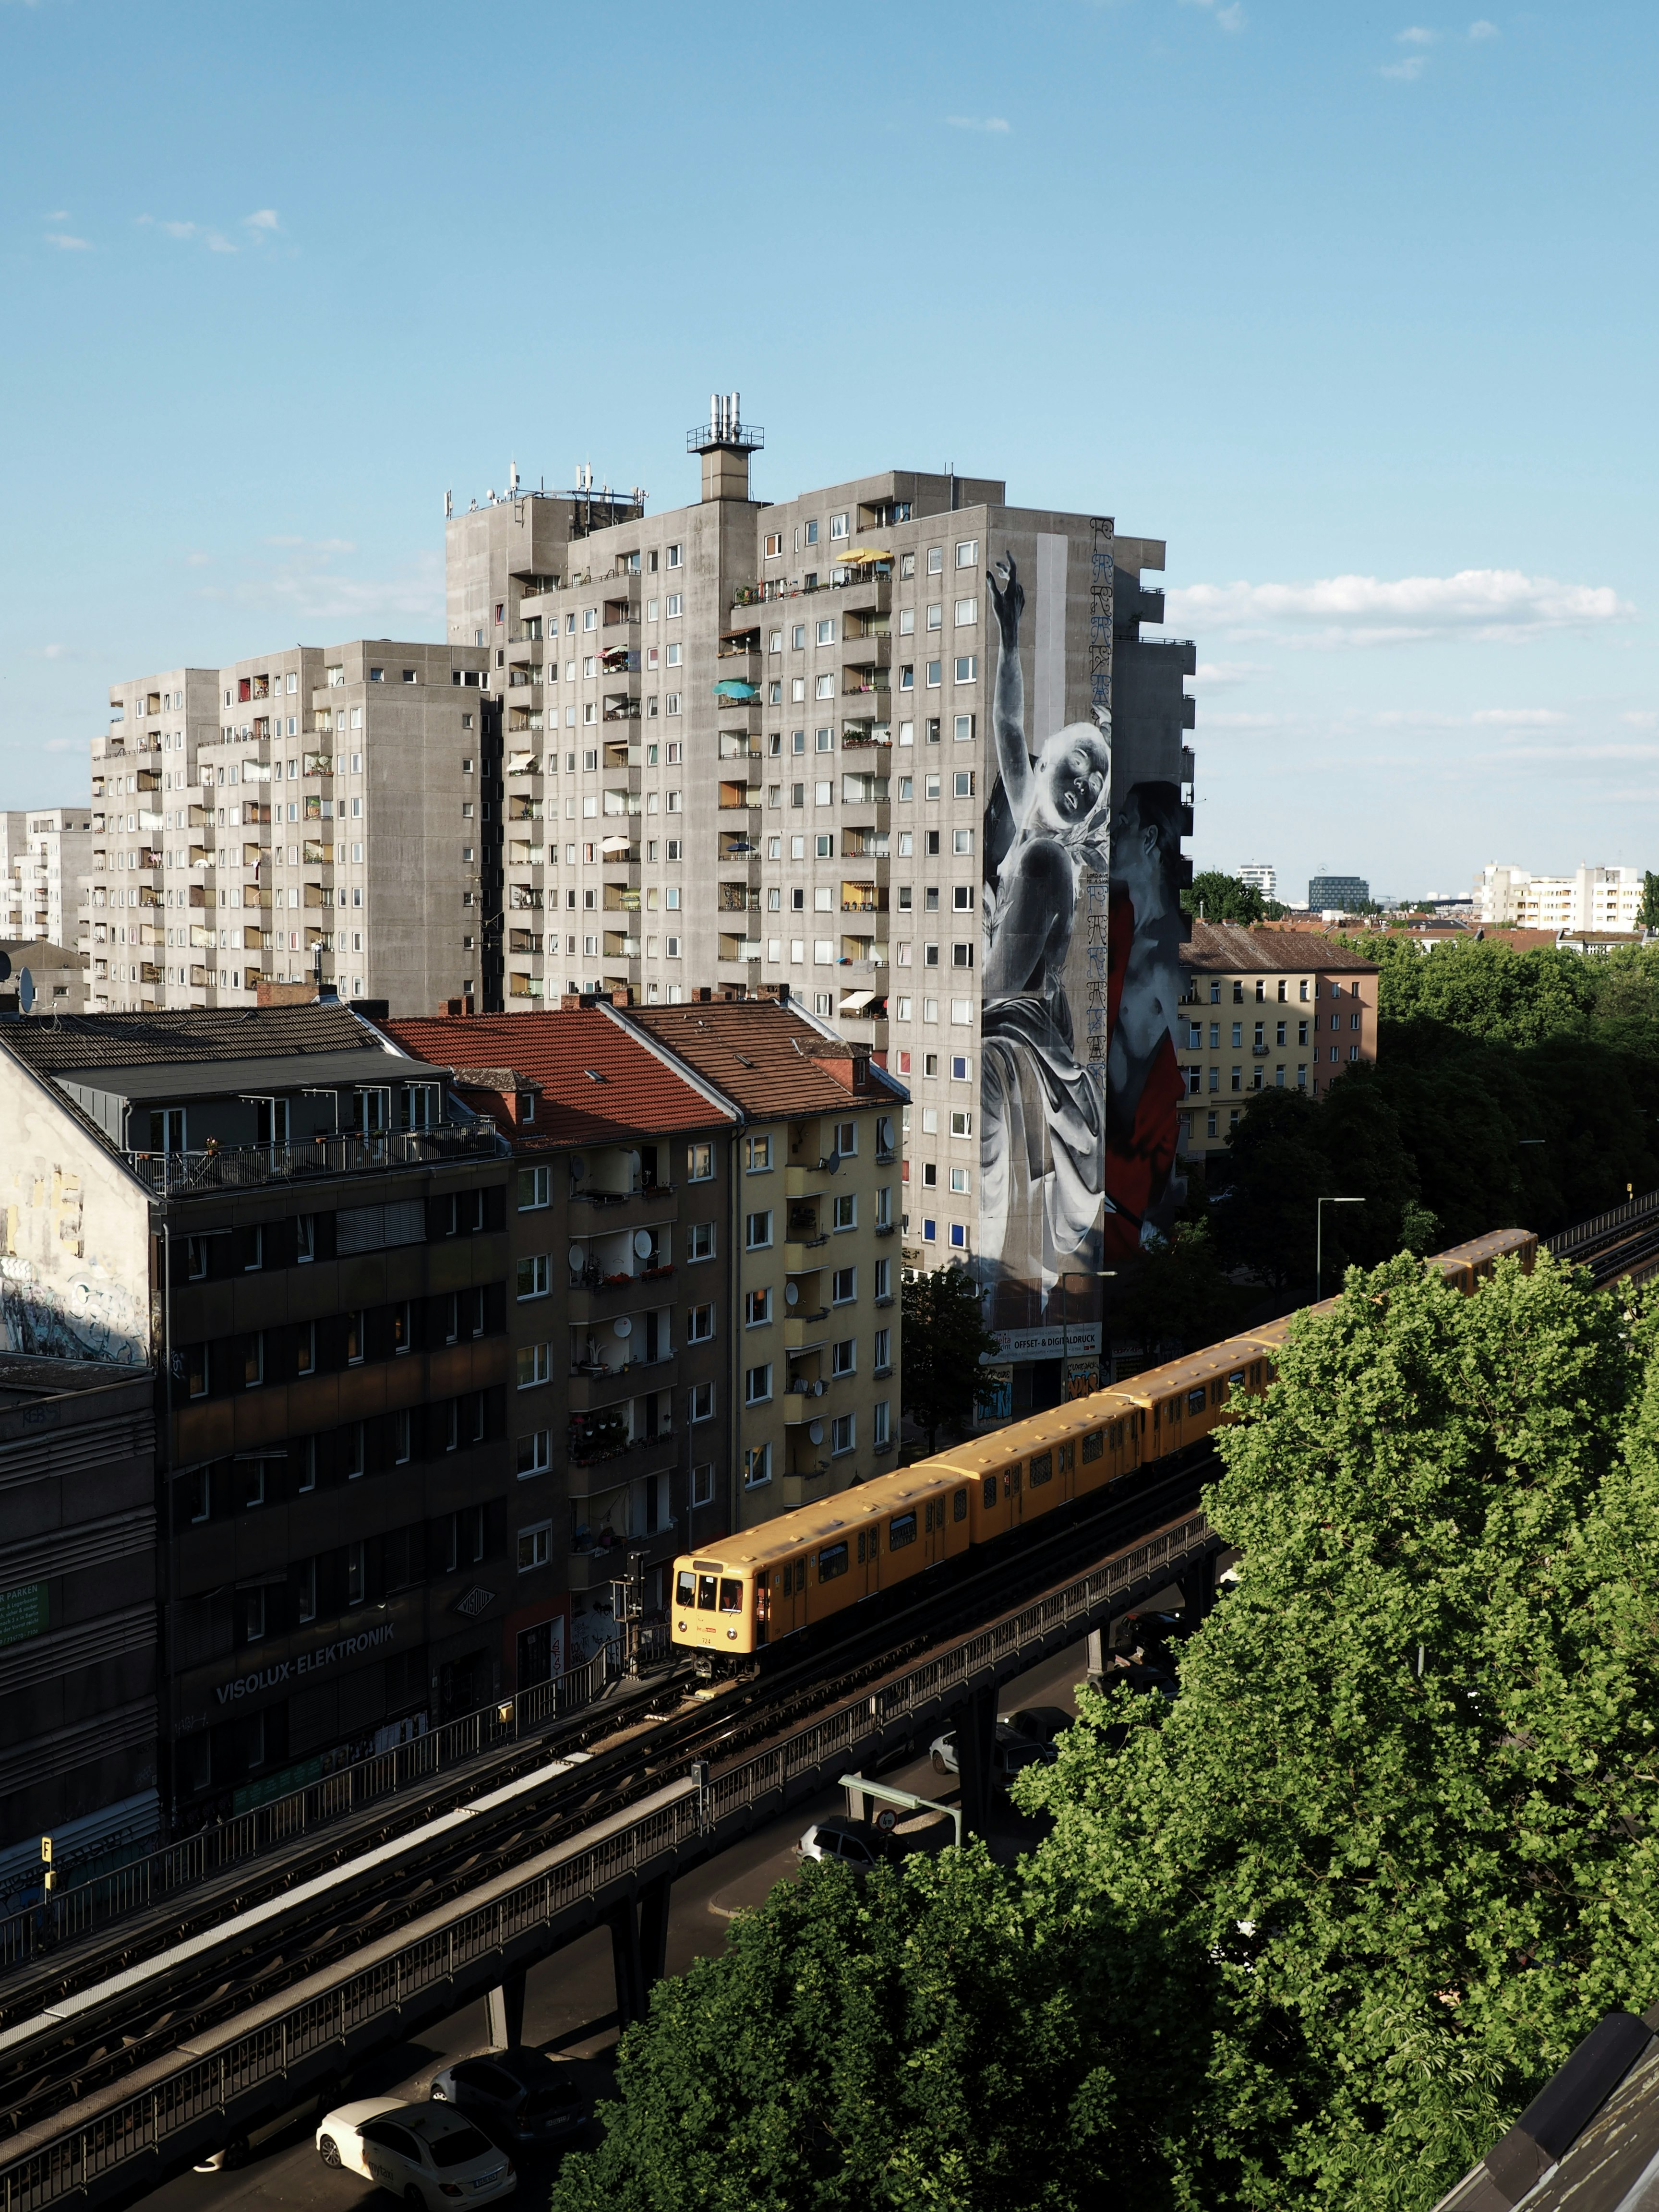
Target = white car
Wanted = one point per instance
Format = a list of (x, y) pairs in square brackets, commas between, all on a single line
[(428, 2155)]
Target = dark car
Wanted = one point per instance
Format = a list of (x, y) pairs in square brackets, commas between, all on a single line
[(1011, 1754), (857, 1844), (520, 2096), (1039, 1723)]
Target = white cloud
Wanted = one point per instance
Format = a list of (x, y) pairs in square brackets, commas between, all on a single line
[(215, 241), (261, 219), (1411, 68), (1516, 718), (1640, 718), (1480, 603), (1417, 36), (997, 125), (1230, 17), (305, 586), (58, 215), (65, 244), (1222, 675), (1482, 30)]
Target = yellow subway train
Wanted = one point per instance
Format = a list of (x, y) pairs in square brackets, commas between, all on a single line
[(755, 1590)]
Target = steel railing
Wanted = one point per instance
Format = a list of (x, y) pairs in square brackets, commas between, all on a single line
[(38, 1928), (242, 1167), (1589, 1232)]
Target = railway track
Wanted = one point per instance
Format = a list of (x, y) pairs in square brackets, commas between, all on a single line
[(75, 2025), (1622, 1244)]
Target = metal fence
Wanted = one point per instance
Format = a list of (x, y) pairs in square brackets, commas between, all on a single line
[(1569, 1241), (247, 1167), (208, 2085), (39, 1928)]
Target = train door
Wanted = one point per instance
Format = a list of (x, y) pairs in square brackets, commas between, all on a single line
[(934, 1514), (1013, 1492), (785, 1599), (867, 1561)]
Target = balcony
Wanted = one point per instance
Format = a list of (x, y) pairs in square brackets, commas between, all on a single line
[(872, 580), (250, 1167), (735, 797), (596, 1386), (519, 808), (798, 1258), (521, 986)]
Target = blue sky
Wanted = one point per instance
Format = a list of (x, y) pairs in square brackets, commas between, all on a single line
[(1354, 306)]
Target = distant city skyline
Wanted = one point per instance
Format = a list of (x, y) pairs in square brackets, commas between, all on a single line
[(1400, 501)]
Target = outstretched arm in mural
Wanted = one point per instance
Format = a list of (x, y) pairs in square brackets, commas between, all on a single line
[(1008, 705)]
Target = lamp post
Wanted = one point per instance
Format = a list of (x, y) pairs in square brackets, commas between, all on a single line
[(1319, 1239)]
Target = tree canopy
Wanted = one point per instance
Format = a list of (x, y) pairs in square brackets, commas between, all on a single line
[(1218, 897), (942, 1343), (1315, 1933)]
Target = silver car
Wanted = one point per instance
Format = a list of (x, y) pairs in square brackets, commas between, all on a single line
[(429, 2155)]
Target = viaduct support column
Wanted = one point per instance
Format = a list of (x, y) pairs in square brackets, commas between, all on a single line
[(505, 2006), (977, 1724)]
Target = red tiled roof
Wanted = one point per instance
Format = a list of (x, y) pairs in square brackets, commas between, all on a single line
[(759, 1052), (1226, 947), (639, 1095)]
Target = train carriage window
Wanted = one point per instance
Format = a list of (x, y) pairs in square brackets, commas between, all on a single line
[(731, 1597), (1256, 1374), (1065, 1456), (901, 1530), (990, 1489), (685, 1588), (800, 1572), (705, 1592), (1094, 1443), (862, 1556), (962, 1505), (832, 1561), (1196, 1402), (1042, 1467), (1011, 1480), (1236, 1380)]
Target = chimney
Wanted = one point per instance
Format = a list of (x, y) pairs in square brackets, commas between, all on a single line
[(624, 997), (570, 1002)]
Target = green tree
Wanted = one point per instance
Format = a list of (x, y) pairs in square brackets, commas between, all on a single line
[(1264, 1219), (1218, 897), (943, 1341), (1404, 1815), (904, 2042), (1181, 1291), (1649, 916)]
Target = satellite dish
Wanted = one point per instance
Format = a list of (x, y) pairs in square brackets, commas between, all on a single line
[(816, 1432), (622, 1326), (642, 1243), (25, 990), (578, 1259), (791, 1294), (817, 1389)]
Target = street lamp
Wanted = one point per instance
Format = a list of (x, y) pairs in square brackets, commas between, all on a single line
[(1319, 1239)]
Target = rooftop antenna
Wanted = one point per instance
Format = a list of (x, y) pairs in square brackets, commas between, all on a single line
[(512, 478), (449, 505)]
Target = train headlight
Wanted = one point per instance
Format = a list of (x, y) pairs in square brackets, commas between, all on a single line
[(679, 1628), (732, 1635)]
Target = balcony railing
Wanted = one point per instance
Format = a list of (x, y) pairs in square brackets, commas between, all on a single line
[(244, 1167)]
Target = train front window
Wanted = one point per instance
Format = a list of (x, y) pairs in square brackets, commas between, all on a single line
[(960, 1513), (705, 1592), (685, 1588), (990, 1489), (731, 1597)]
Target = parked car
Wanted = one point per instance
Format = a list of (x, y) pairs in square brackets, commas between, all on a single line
[(1039, 1723), (1010, 1752), (425, 2154), (856, 1843), (519, 2096)]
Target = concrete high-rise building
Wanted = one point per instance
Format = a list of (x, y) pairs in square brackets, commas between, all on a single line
[(866, 741), (1590, 898), (44, 873), (1260, 875), (330, 811)]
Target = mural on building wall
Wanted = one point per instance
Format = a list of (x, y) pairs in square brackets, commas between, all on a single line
[(1144, 1080), (74, 1258), (1043, 1085)]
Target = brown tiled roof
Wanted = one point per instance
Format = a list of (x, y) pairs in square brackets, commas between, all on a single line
[(761, 1054), (1520, 940), (1228, 948), (563, 1050), (188, 1036)]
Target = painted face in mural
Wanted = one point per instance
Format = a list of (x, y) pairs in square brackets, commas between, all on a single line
[(1074, 775)]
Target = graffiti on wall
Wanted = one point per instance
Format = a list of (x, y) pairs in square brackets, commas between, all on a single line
[(74, 1257)]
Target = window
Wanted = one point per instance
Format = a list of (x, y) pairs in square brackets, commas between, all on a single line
[(535, 1546), (844, 1285), (843, 1434), (758, 1230), (760, 1154), (699, 1241), (757, 1307), (962, 955), (253, 1361), (966, 667), (702, 1402), (883, 1280), (967, 552), (757, 1384), (757, 1469), (304, 1349), (702, 1483), (844, 1357), (354, 1339), (964, 736), (533, 1188), (535, 1364), (674, 557), (959, 1180), (699, 1324), (532, 1277), (933, 678), (967, 613), (533, 1454), (845, 1213)]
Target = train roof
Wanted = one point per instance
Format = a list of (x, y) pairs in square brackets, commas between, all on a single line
[(809, 1525), (1491, 1246), (1183, 1374)]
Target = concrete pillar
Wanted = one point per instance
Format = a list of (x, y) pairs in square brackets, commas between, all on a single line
[(1198, 1588), (505, 2006), (977, 1724), (655, 1899), (626, 1963), (1096, 1658)]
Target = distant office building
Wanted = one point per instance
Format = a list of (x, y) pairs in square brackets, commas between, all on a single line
[(1338, 894), (1261, 876), (1591, 898)]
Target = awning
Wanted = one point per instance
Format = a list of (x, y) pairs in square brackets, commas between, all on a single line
[(744, 629), (733, 688), (860, 555), (856, 1002)]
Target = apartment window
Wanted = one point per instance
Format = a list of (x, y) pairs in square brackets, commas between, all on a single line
[(534, 1364), (962, 955), (532, 1277), (760, 1154), (354, 1339), (699, 1241), (844, 1285), (304, 1349), (757, 1467), (967, 552), (959, 1180), (533, 1454), (757, 1384), (533, 1188), (758, 1230), (844, 1433), (355, 1459), (844, 1357), (845, 1214), (699, 1324), (535, 1546), (932, 675), (702, 1483), (674, 557), (962, 1122), (702, 1402), (757, 1307)]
